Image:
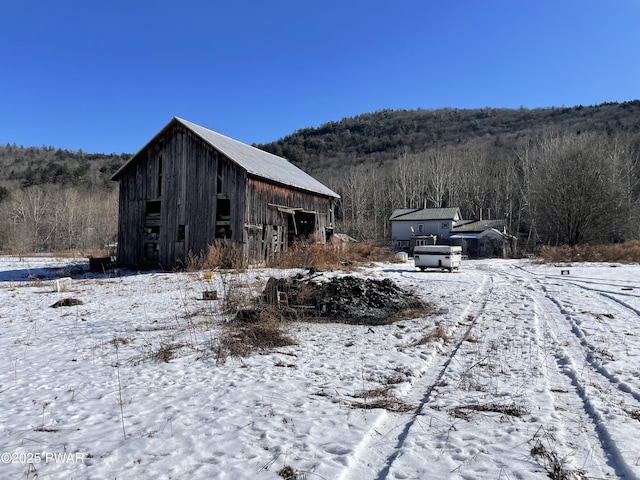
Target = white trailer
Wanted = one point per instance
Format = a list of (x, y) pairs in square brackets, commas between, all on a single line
[(444, 257)]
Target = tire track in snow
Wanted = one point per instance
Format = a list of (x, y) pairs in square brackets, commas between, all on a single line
[(585, 284), (619, 306), (376, 453), (609, 296), (591, 350), (592, 395)]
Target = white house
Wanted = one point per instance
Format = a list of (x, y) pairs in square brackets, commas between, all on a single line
[(415, 226), (411, 227)]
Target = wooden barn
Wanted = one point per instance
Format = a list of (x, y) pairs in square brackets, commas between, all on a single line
[(190, 186)]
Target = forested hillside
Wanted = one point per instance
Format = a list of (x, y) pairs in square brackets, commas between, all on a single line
[(385, 135), (55, 200), (565, 175), (20, 166), (557, 175)]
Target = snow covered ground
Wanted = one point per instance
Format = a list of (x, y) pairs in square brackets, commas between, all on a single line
[(523, 373)]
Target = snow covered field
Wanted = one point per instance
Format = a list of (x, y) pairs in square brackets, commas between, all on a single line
[(522, 373)]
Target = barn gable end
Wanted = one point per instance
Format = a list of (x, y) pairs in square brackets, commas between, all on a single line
[(190, 186)]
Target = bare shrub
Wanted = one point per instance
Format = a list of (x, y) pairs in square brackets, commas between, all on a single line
[(120, 341), (511, 409), (387, 402), (627, 252), (601, 353), (222, 254), (470, 338), (369, 252), (554, 465), (289, 473), (381, 397), (330, 256), (165, 353), (438, 333), (67, 302), (374, 392), (394, 379), (257, 331), (635, 414), (236, 297)]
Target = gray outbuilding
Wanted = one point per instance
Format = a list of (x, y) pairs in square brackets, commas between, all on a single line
[(190, 186)]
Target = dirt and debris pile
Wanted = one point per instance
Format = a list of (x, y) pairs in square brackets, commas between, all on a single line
[(67, 302), (348, 299)]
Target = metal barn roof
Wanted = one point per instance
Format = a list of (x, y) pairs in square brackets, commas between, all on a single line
[(254, 161)]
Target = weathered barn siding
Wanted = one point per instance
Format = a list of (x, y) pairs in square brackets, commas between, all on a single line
[(131, 214), (186, 175), (264, 198), (274, 214), (230, 197), (194, 179), (180, 194)]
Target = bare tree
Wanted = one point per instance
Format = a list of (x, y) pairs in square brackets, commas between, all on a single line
[(28, 209), (402, 181), (438, 168), (572, 190), (473, 180), (52, 218), (623, 160)]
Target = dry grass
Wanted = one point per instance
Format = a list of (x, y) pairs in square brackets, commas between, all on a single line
[(258, 331), (627, 252), (389, 403), (634, 414), (289, 473), (511, 409), (67, 302), (77, 254), (221, 255), (236, 297), (555, 466), (411, 313), (330, 256), (374, 392), (46, 429), (166, 352), (470, 338), (438, 333), (117, 341), (381, 397)]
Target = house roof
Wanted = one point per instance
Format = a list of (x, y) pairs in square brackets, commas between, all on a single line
[(479, 226), (425, 214), (254, 161), (489, 231)]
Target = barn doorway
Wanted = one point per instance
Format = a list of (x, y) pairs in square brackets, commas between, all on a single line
[(300, 224), (151, 232), (223, 218)]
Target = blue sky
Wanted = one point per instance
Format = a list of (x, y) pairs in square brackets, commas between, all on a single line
[(106, 76)]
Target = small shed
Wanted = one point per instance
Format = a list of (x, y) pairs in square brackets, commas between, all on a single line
[(484, 238), (190, 186)]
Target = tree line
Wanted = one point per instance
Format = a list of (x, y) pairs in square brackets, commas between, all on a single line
[(553, 188), (27, 166), (557, 176), (57, 200), (52, 218)]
